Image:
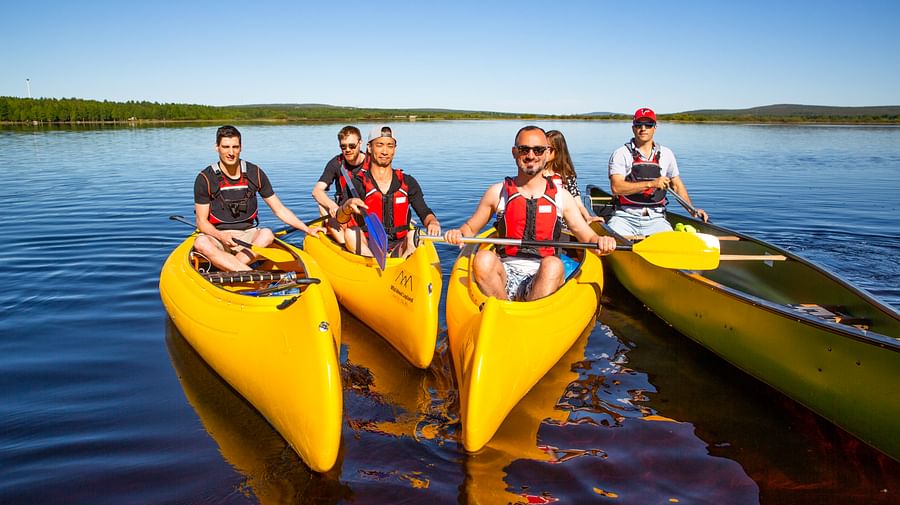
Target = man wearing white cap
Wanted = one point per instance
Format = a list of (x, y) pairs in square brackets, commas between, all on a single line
[(390, 194), (639, 174)]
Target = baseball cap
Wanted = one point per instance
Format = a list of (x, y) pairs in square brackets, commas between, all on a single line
[(381, 131), (644, 112)]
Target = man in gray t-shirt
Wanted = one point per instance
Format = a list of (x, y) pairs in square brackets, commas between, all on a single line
[(640, 172)]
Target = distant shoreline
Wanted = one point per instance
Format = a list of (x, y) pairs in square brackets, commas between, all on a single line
[(16, 111), (662, 118)]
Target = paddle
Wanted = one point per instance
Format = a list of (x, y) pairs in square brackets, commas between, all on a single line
[(684, 203), (671, 249), (377, 235), (287, 229), (276, 255), (282, 287)]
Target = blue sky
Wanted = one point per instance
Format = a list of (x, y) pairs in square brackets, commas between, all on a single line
[(543, 57)]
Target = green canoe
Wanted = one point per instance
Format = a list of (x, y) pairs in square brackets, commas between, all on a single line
[(784, 320)]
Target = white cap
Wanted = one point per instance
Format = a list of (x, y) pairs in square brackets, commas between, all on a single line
[(381, 131)]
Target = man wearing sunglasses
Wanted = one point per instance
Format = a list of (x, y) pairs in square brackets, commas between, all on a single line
[(527, 206), (354, 159), (640, 172), (388, 193)]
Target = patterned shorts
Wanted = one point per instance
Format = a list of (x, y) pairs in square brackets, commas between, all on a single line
[(520, 277)]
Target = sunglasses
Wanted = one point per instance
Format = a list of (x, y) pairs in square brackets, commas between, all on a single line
[(538, 150), (349, 146), (643, 125)]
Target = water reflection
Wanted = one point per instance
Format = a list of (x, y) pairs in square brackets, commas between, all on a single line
[(595, 427), (741, 418), (274, 472)]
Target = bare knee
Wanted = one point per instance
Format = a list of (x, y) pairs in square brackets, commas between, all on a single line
[(552, 270), (206, 245), (485, 261), (264, 237)]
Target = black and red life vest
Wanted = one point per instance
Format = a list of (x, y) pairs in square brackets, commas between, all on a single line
[(232, 203), (643, 170), (392, 208), (528, 218)]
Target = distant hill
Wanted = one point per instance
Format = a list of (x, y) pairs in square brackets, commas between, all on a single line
[(792, 113), (325, 111), (603, 114)]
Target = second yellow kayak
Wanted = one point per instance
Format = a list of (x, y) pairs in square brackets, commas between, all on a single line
[(400, 303)]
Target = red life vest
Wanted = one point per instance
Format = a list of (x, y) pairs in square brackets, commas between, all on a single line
[(232, 204), (528, 218), (341, 188), (392, 208), (643, 170)]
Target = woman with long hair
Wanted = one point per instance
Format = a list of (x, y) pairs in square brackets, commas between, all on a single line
[(560, 167)]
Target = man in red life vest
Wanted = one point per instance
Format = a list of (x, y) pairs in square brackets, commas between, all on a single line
[(353, 159), (527, 206), (388, 193), (225, 206), (639, 174)]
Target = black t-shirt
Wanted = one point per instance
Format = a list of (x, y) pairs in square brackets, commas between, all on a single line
[(207, 183), (332, 173)]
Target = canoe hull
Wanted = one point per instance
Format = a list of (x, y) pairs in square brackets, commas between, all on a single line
[(399, 303), (284, 362), (501, 349), (749, 313)]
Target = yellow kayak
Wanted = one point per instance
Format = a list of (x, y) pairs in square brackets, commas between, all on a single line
[(277, 346), (399, 303), (501, 349)]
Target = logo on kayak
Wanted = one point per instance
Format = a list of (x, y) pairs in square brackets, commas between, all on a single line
[(403, 286)]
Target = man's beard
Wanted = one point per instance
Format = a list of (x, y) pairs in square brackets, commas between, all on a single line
[(534, 170)]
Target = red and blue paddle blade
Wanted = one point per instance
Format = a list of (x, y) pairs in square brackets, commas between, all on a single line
[(378, 242)]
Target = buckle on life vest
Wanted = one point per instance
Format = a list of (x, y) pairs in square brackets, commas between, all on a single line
[(236, 207)]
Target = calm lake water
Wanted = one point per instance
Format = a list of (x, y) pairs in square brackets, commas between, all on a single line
[(104, 402)]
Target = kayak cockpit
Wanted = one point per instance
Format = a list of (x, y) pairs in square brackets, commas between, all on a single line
[(268, 278)]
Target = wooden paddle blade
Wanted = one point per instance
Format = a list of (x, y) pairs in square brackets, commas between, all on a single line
[(680, 250), (378, 242)]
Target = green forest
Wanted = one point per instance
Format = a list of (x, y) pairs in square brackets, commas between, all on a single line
[(15, 110), (74, 110)]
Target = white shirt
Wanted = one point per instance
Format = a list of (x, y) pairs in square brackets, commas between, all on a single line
[(621, 161)]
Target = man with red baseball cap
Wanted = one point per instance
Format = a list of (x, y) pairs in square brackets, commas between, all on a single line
[(640, 172)]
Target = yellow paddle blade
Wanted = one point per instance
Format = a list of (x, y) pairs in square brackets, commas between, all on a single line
[(680, 250), (276, 255)]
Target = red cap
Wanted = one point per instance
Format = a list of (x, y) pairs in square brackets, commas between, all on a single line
[(644, 112)]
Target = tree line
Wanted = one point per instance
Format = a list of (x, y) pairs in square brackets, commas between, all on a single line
[(75, 110)]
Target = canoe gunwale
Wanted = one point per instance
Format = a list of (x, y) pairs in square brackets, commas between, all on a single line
[(864, 336)]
